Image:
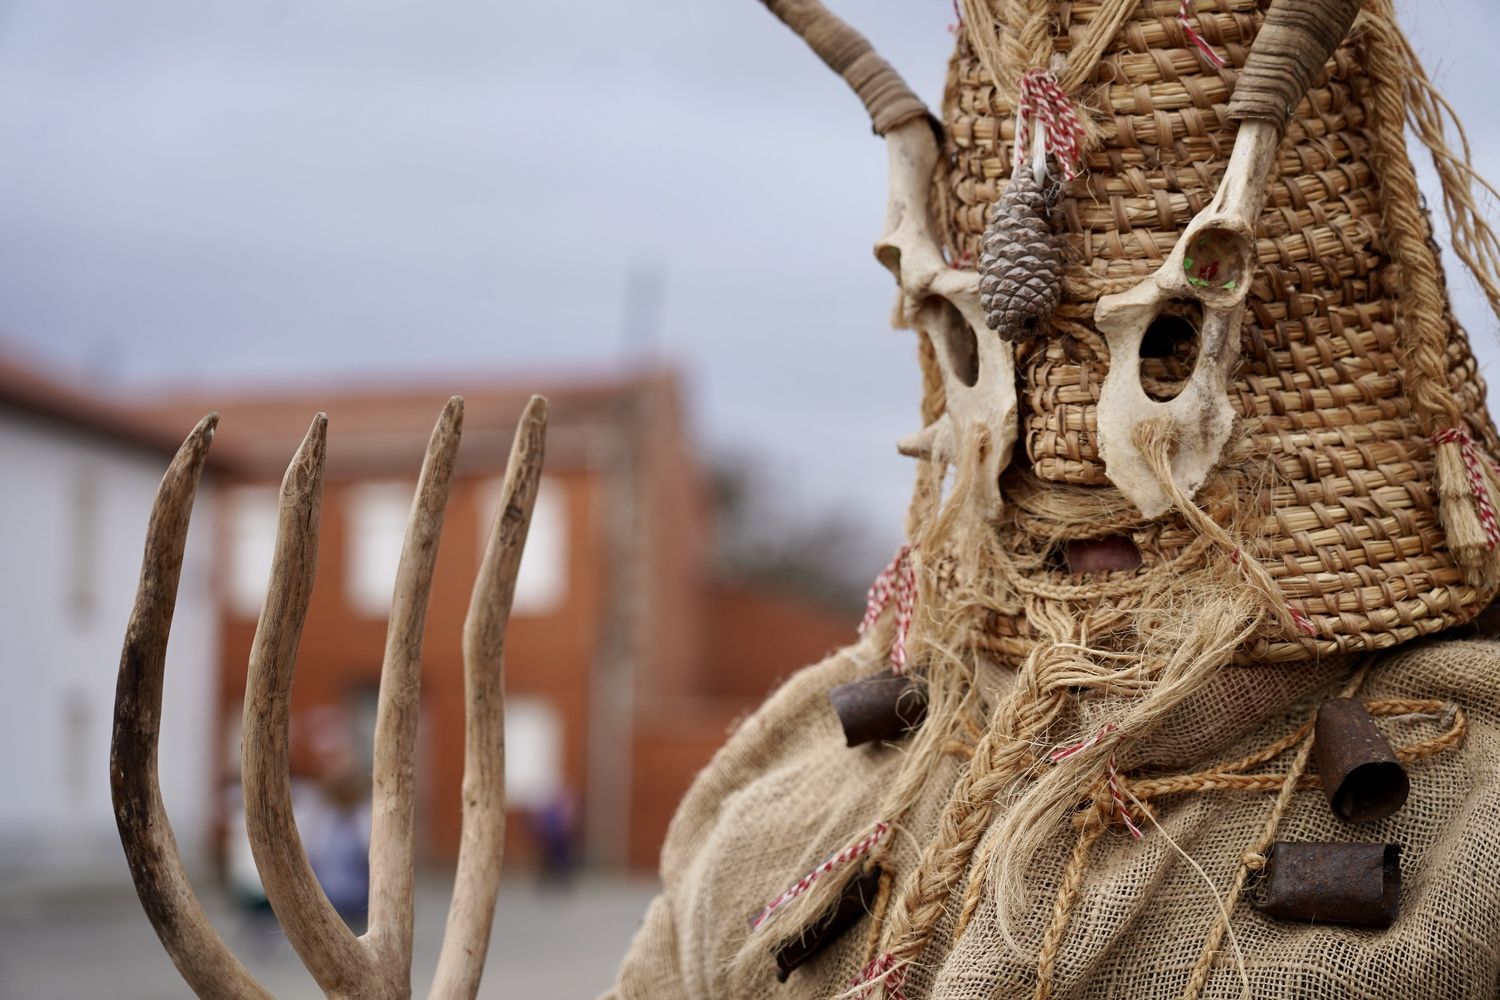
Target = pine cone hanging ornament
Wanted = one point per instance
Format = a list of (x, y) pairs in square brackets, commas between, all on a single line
[(1021, 265)]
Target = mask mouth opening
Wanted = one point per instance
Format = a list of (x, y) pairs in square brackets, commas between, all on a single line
[(1113, 553)]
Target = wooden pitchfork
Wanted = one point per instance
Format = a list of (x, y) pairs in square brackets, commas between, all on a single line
[(377, 965)]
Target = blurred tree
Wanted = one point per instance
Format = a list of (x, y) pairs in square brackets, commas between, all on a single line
[(768, 534)]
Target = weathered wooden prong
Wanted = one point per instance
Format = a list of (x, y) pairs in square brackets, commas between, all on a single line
[(482, 842), (200, 954), (377, 967), (393, 813), (336, 959)]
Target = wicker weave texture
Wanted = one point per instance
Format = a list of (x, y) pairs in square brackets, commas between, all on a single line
[(1349, 530)]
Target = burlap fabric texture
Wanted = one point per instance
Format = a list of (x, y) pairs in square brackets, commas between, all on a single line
[(785, 793), (1326, 534)]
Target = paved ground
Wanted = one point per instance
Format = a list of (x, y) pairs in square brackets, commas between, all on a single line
[(552, 944)]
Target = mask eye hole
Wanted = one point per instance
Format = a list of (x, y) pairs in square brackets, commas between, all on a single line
[(963, 347), (1169, 350)]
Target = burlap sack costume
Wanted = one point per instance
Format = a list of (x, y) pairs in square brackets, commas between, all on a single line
[(1108, 755)]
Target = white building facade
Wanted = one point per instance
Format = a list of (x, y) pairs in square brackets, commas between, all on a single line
[(75, 495)]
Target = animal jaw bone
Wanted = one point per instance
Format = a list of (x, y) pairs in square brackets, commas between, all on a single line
[(978, 368), (941, 302), (378, 964), (1200, 415), (1294, 43)]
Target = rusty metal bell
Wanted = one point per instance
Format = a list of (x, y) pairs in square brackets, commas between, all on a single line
[(885, 706), (853, 903), (1358, 885), (1361, 776)]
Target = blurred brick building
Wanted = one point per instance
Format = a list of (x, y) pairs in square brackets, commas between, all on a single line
[(627, 659)]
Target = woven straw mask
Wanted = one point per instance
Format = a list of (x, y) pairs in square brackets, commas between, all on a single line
[(1328, 479)]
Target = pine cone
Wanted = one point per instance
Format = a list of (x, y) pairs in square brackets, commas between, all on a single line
[(1021, 265)]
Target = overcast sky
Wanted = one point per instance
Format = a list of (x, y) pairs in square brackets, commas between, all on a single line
[(265, 190)]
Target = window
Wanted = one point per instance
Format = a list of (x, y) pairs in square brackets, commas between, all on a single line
[(533, 753), (252, 544), (376, 515), (542, 582)]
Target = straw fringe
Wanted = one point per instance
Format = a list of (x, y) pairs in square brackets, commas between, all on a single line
[(1469, 495), (1217, 591)]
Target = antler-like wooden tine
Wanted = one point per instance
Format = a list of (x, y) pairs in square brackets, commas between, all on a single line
[(885, 94), (336, 959), (200, 954), (393, 825), (467, 938)]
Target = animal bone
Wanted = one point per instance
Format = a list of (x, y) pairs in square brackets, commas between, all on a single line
[(1211, 265), (939, 301), (978, 368), (1200, 414), (378, 964)]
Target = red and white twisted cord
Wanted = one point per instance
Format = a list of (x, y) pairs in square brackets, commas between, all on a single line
[(880, 972), (1184, 8), (1478, 484), (896, 585), (1047, 122), (854, 851), (1108, 731)]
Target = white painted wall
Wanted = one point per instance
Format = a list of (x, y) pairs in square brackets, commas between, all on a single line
[(73, 512)]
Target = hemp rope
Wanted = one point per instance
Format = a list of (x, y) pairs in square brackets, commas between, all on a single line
[(1198, 978), (1468, 490), (923, 901), (1221, 777)]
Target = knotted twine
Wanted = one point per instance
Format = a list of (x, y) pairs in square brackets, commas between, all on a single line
[(1470, 491), (895, 587)]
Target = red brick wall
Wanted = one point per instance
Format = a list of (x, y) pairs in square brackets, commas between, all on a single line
[(670, 749), (755, 641), (549, 656), (760, 637)]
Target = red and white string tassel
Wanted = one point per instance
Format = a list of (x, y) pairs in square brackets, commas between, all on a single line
[(1047, 123), (896, 585), (1468, 498), (880, 974), (1109, 731), (1184, 9), (853, 852)]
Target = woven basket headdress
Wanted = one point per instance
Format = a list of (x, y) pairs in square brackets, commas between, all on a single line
[(1352, 371)]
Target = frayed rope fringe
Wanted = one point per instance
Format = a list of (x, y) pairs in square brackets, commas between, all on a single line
[(1110, 731)]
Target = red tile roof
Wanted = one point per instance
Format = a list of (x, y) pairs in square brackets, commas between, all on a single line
[(381, 427), (27, 389)]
